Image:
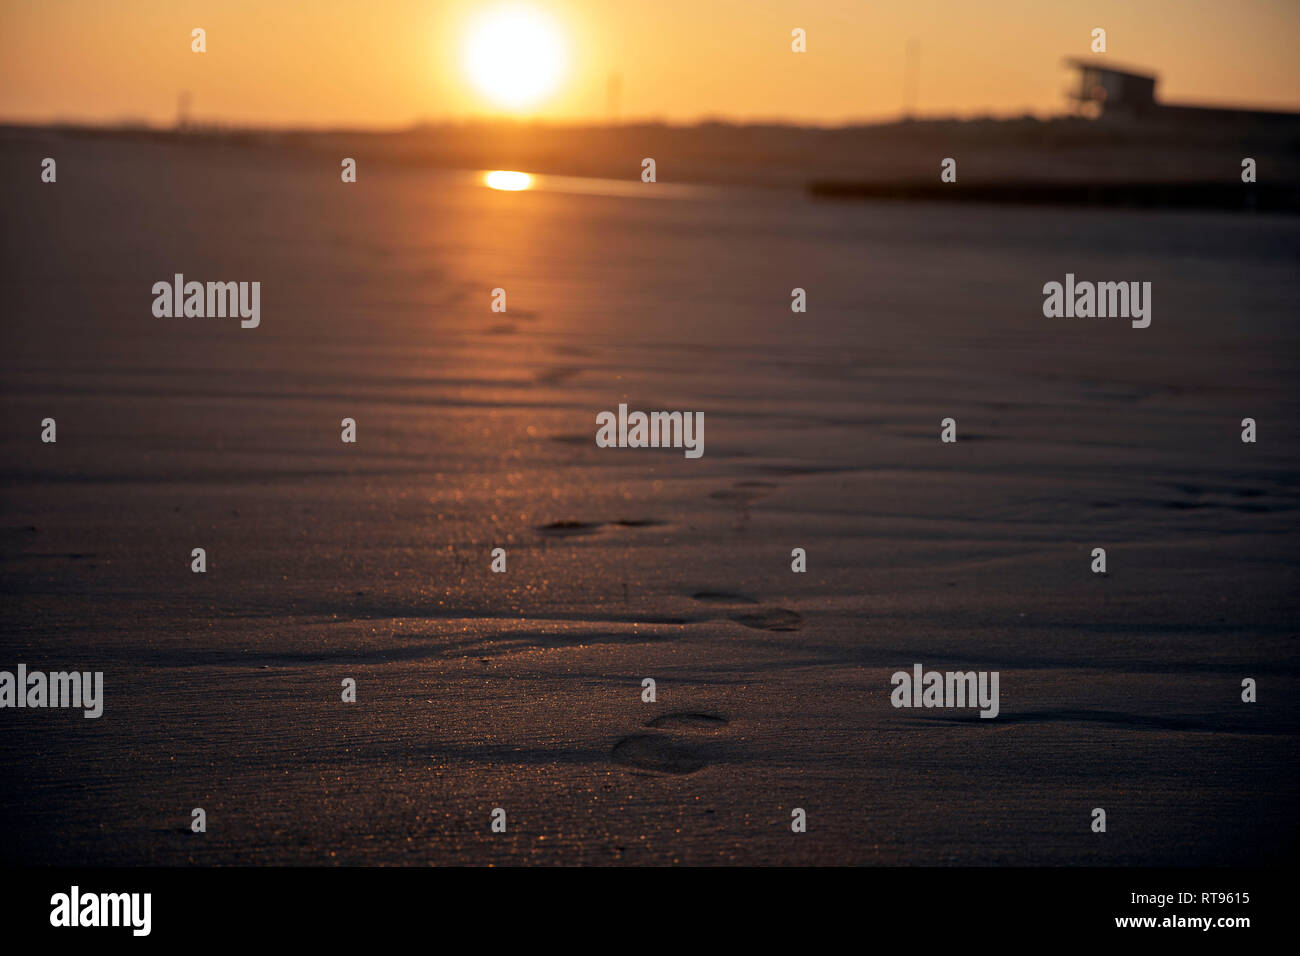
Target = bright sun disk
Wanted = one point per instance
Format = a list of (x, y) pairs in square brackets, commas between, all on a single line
[(514, 56)]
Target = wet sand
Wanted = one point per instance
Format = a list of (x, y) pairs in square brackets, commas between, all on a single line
[(523, 690)]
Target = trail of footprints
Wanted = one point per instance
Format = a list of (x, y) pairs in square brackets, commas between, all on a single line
[(744, 610), (686, 741), (683, 742)]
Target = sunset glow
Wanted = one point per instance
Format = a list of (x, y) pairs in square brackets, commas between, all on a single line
[(582, 61), (514, 56)]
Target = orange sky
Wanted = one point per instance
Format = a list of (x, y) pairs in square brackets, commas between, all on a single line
[(391, 62)]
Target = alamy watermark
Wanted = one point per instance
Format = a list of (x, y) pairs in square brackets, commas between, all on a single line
[(36, 689), (181, 299), (950, 689), (653, 430), (74, 908), (1085, 300)]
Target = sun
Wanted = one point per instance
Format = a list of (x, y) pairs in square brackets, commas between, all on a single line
[(514, 56)]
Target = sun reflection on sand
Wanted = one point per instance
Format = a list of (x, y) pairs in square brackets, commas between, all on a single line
[(508, 180)]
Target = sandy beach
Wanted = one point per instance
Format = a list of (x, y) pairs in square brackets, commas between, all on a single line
[(475, 431)]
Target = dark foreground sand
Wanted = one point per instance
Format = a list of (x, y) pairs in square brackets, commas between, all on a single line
[(476, 430)]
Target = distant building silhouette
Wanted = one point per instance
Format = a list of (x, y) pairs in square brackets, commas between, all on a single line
[(1106, 90), (1112, 92)]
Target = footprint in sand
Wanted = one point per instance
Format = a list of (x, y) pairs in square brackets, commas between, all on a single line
[(573, 351), (760, 618), (721, 597), (744, 492), (666, 753), (689, 721), (569, 528), (770, 619), (556, 376), (657, 752)]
